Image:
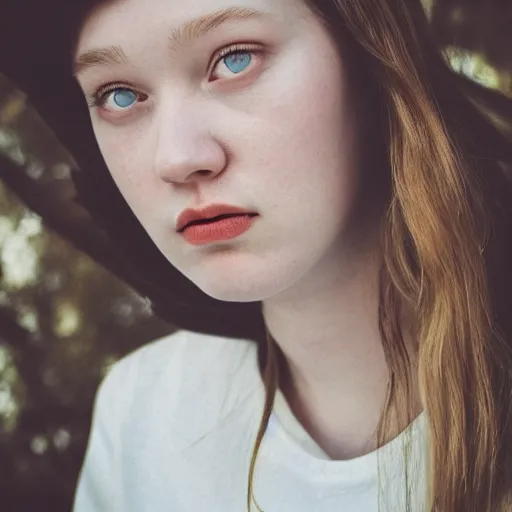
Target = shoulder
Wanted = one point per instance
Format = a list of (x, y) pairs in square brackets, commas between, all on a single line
[(194, 376), (185, 355)]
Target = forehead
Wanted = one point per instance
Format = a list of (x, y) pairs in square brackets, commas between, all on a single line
[(116, 21)]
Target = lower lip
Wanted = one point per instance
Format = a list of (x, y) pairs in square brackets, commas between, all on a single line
[(224, 229)]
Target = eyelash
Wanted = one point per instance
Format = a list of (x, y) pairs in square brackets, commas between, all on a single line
[(99, 97)]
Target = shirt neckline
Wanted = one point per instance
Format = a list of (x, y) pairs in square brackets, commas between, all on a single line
[(289, 443)]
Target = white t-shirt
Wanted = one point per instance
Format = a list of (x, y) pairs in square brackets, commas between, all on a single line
[(173, 431)]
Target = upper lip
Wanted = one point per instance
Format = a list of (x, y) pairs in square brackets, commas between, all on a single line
[(209, 212)]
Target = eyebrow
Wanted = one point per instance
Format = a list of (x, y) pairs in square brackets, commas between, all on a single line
[(180, 36)]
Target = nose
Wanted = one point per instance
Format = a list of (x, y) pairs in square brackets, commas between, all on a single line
[(186, 150)]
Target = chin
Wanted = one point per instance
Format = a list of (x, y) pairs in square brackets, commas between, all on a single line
[(236, 289), (234, 276), (249, 285)]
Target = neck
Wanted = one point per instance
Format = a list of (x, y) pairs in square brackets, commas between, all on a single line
[(335, 377)]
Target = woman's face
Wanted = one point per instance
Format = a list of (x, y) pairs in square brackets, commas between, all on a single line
[(271, 129)]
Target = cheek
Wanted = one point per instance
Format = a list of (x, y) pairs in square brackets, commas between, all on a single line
[(126, 162), (314, 143), (130, 167)]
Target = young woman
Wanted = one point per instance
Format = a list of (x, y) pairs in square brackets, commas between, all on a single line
[(319, 163)]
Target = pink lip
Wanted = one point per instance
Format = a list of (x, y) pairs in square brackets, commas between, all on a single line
[(215, 210)]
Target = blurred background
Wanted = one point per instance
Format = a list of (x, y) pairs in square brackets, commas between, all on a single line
[(65, 312)]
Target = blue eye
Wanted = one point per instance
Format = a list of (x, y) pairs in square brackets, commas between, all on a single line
[(239, 61), (118, 99), (124, 97)]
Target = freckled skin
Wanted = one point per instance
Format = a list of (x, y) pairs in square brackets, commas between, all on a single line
[(279, 138)]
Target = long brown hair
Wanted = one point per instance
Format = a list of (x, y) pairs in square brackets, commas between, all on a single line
[(446, 253)]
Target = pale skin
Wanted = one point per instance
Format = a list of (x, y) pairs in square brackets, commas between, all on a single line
[(281, 137)]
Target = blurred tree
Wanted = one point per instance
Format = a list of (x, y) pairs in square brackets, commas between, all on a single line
[(66, 314)]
